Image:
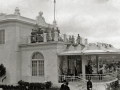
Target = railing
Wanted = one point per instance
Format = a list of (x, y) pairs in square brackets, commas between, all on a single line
[(101, 77), (69, 78), (37, 38), (49, 37), (93, 77), (32, 39)]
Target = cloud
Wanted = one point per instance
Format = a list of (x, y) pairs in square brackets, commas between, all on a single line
[(97, 20)]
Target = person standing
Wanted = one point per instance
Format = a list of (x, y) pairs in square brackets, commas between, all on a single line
[(89, 85), (67, 87), (64, 86)]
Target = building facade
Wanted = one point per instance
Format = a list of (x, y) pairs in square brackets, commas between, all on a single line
[(34, 62), (35, 51)]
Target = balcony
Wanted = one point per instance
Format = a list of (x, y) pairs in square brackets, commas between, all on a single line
[(52, 37)]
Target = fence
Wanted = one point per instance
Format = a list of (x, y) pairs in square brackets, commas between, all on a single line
[(93, 77)]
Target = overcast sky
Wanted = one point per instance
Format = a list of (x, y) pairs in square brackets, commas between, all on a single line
[(97, 20)]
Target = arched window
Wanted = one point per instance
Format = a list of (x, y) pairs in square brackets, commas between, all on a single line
[(37, 64)]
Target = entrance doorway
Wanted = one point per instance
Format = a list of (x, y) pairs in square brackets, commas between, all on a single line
[(70, 68), (74, 65)]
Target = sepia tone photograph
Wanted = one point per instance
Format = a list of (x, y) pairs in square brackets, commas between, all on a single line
[(60, 45)]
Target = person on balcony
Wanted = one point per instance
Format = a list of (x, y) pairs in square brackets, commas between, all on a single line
[(70, 39), (39, 31), (89, 85), (33, 36), (73, 39), (39, 38), (78, 39), (52, 34)]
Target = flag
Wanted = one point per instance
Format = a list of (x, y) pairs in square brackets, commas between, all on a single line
[(54, 1)]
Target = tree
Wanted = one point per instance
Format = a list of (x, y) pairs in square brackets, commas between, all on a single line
[(2, 72)]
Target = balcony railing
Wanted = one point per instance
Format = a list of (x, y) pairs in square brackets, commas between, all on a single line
[(50, 37)]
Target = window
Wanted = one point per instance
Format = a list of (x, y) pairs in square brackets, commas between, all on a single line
[(37, 64), (2, 36)]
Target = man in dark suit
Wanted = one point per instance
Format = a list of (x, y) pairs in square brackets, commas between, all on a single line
[(64, 86), (89, 85)]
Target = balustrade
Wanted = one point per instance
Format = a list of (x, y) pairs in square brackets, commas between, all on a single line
[(69, 78), (61, 37), (38, 36), (93, 77)]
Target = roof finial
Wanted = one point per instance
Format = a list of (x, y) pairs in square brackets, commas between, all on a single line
[(17, 11), (40, 19), (40, 13)]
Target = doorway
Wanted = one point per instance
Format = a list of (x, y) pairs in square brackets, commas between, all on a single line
[(74, 65)]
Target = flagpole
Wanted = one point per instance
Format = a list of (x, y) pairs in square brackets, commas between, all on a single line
[(54, 22), (54, 9)]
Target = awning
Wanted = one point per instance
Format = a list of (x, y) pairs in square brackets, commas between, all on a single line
[(89, 52), (70, 53)]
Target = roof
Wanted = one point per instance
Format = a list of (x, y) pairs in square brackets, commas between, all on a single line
[(90, 49)]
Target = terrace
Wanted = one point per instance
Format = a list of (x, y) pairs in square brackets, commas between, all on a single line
[(42, 35)]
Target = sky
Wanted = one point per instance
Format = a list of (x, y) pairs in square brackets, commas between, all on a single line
[(96, 20)]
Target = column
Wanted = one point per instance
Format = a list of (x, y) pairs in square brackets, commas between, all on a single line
[(45, 38), (83, 66), (86, 42), (50, 36), (81, 40), (97, 62), (65, 38), (56, 36), (67, 66)]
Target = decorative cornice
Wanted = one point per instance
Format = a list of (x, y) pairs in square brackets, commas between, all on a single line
[(12, 17), (42, 44)]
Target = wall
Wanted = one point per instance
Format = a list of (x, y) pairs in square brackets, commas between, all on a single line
[(9, 51), (49, 51), (17, 60)]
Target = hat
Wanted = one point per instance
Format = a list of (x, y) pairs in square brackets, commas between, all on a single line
[(64, 81)]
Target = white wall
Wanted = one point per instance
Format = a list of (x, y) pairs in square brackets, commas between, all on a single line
[(10, 52), (49, 52)]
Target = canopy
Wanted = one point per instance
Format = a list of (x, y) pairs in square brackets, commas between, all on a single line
[(90, 50)]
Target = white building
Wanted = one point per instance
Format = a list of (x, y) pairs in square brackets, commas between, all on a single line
[(18, 54), (38, 58)]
